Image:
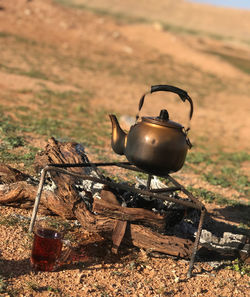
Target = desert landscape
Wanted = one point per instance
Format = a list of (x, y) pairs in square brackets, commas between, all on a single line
[(65, 65)]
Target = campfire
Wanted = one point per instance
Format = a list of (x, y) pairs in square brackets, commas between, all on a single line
[(120, 203), (146, 213)]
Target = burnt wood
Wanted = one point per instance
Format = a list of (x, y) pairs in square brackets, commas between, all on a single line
[(64, 200), (140, 215)]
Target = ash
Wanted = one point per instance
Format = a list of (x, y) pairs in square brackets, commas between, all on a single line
[(219, 237)]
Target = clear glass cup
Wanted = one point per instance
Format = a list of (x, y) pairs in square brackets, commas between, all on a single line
[(47, 245)]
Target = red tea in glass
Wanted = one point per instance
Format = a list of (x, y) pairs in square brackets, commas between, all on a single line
[(46, 250)]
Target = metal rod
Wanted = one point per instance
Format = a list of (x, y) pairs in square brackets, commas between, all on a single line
[(130, 167), (127, 165), (126, 187), (37, 200), (170, 178), (149, 181), (196, 243), (185, 191), (68, 165), (163, 190)]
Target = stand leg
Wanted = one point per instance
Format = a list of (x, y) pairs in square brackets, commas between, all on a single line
[(149, 181), (37, 200), (196, 243)]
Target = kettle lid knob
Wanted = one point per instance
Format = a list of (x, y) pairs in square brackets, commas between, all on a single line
[(164, 115)]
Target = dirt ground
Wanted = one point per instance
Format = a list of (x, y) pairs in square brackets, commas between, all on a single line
[(122, 58)]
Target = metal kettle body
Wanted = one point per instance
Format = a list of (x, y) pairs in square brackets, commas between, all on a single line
[(156, 145), (157, 152)]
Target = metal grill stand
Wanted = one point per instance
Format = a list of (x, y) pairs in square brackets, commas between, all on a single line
[(165, 194)]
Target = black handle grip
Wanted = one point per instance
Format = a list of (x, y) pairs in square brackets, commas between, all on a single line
[(183, 94), (167, 88)]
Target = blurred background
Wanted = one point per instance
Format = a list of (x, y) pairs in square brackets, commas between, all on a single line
[(66, 64)]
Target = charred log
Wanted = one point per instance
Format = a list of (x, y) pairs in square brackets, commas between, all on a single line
[(67, 197)]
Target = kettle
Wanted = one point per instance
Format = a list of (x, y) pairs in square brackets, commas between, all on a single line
[(156, 145)]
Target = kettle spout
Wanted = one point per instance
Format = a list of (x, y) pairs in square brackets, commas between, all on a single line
[(118, 138)]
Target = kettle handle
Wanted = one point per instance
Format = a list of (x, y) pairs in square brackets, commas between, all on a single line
[(167, 88)]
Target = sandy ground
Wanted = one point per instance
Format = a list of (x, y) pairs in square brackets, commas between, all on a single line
[(128, 50)]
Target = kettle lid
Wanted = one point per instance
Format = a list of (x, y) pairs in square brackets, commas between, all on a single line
[(163, 120)]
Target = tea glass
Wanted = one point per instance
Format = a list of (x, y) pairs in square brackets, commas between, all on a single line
[(47, 245)]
